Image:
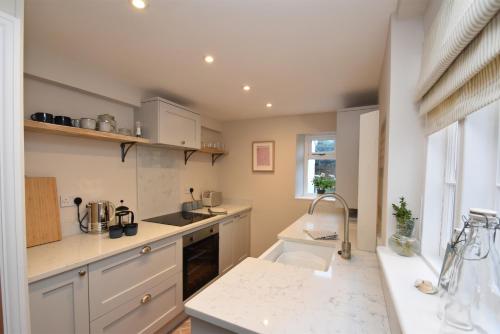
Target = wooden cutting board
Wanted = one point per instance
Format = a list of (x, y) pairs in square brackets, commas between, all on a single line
[(43, 222)]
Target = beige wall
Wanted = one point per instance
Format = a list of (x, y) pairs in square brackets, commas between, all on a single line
[(272, 194), (405, 141), (93, 170)]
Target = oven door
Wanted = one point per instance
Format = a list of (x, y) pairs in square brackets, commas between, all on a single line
[(200, 264)]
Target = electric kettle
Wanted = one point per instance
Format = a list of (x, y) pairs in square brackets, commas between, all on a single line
[(101, 215)]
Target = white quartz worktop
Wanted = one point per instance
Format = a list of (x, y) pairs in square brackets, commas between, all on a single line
[(81, 249), (258, 296)]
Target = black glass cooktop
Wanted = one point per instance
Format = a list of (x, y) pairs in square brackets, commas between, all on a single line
[(179, 218)]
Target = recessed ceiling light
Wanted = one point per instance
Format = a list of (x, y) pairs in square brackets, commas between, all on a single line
[(209, 59), (269, 105), (246, 88), (139, 4)]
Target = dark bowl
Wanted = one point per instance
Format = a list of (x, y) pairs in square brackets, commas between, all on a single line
[(115, 231), (43, 117), (63, 120), (131, 229)]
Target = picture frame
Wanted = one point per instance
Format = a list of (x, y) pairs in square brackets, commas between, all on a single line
[(263, 156)]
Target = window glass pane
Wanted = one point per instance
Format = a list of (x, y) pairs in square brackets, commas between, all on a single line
[(479, 160), (323, 146), (439, 201), (317, 167)]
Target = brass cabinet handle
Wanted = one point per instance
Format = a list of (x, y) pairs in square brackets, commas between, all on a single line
[(146, 299), (82, 272), (146, 249)]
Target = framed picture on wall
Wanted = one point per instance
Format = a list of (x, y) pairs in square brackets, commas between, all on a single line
[(263, 156)]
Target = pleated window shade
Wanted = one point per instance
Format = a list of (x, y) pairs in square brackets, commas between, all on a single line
[(460, 64)]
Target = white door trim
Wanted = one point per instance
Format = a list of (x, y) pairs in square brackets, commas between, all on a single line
[(14, 284)]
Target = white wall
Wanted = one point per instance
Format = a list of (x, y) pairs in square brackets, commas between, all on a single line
[(404, 153), (272, 194), (12, 7), (347, 136), (154, 181)]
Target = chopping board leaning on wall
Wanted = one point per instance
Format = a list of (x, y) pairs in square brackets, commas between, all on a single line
[(43, 222)]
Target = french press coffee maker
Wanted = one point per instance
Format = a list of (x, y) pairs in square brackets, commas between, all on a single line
[(124, 216)]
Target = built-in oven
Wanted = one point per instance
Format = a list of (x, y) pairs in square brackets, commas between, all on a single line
[(200, 259)]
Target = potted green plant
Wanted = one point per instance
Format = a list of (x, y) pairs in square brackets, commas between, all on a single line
[(402, 242), (323, 182)]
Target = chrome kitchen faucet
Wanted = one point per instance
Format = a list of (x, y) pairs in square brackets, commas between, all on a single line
[(345, 253)]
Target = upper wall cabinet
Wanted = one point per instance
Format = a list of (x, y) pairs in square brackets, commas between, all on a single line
[(167, 123)]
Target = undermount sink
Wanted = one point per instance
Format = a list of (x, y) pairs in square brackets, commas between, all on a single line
[(300, 255)]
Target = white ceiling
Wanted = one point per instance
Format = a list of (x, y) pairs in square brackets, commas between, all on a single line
[(304, 56)]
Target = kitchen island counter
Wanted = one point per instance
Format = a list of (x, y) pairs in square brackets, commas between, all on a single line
[(259, 296)]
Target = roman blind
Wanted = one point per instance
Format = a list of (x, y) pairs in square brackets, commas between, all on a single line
[(460, 70)]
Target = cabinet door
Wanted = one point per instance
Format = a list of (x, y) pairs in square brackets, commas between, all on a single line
[(241, 237), (147, 312), (60, 304), (244, 223), (226, 245), (179, 127)]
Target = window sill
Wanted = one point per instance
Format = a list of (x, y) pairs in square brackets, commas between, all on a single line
[(416, 312), (313, 197)]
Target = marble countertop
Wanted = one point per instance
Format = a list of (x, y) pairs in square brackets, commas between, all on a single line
[(81, 249), (258, 296), (318, 221)]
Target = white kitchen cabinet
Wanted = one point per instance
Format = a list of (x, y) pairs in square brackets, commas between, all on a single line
[(226, 244), (234, 241), (136, 291), (242, 238), (60, 304), (167, 123)]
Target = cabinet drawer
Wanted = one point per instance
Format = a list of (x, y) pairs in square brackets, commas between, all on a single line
[(115, 280), (145, 312)]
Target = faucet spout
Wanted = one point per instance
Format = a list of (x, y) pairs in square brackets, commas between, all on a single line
[(345, 253)]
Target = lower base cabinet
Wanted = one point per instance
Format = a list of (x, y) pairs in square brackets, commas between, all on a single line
[(60, 304), (137, 291), (146, 313), (234, 241)]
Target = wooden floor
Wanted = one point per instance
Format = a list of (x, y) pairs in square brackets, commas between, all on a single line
[(183, 328)]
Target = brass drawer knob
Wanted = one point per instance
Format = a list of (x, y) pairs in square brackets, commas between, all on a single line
[(146, 299), (82, 272), (146, 250)]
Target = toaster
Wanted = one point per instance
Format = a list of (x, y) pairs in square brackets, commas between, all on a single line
[(211, 198)]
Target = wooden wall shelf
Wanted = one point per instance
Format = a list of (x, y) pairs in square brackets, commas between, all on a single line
[(126, 142), (216, 154), (79, 132)]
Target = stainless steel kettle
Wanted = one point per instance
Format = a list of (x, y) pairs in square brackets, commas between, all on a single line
[(101, 215)]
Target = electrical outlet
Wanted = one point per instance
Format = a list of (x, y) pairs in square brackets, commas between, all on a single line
[(67, 201)]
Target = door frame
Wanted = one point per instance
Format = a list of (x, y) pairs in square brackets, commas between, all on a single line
[(13, 278)]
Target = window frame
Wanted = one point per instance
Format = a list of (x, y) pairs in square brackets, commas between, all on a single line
[(431, 252), (308, 154), (449, 217)]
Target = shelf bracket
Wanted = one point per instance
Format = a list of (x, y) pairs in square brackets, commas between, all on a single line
[(124, 149), (216, 156), (187, 155)]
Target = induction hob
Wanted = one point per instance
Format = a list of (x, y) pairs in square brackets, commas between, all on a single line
[(182, 218)]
